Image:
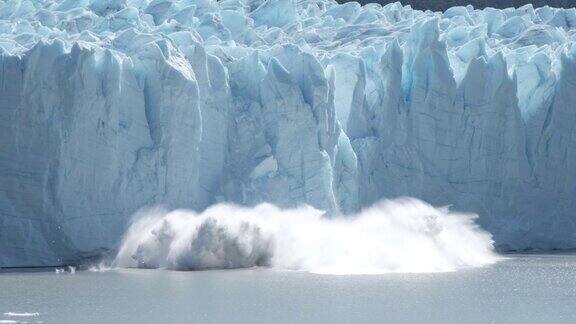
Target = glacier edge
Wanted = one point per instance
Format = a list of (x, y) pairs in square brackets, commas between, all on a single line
[(109, 106)]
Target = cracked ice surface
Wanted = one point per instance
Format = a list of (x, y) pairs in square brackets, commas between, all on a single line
[(110, 105)]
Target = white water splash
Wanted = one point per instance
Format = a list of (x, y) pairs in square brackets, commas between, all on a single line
[(403, 235), (101, 267), (66, 270)]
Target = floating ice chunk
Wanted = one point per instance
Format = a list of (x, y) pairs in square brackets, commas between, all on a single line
[(16, 314)]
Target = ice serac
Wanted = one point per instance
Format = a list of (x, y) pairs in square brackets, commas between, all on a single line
[(110, 106)]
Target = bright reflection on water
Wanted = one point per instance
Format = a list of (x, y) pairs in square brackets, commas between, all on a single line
[(522, 289)]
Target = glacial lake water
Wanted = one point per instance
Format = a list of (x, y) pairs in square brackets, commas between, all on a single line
[(520, 289)]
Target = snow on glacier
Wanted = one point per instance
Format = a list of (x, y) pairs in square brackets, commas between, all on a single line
[(107, 106)]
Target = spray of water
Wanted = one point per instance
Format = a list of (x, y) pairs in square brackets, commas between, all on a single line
[(403, 235)]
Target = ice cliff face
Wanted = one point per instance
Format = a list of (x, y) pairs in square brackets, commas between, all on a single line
[(110, 105)]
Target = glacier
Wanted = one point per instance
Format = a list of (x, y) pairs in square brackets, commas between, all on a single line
[(108, 106)]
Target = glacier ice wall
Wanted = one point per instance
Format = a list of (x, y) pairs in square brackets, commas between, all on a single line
[(107, 106)]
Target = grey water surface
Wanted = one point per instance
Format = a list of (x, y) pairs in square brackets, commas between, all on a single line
[(521, 289)]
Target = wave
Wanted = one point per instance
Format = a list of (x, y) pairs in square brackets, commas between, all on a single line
[(402, 235)]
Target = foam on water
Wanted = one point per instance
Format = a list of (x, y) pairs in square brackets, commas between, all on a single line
[(403, 235)]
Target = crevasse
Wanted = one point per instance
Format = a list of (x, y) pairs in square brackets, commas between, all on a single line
[(107, 106)]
